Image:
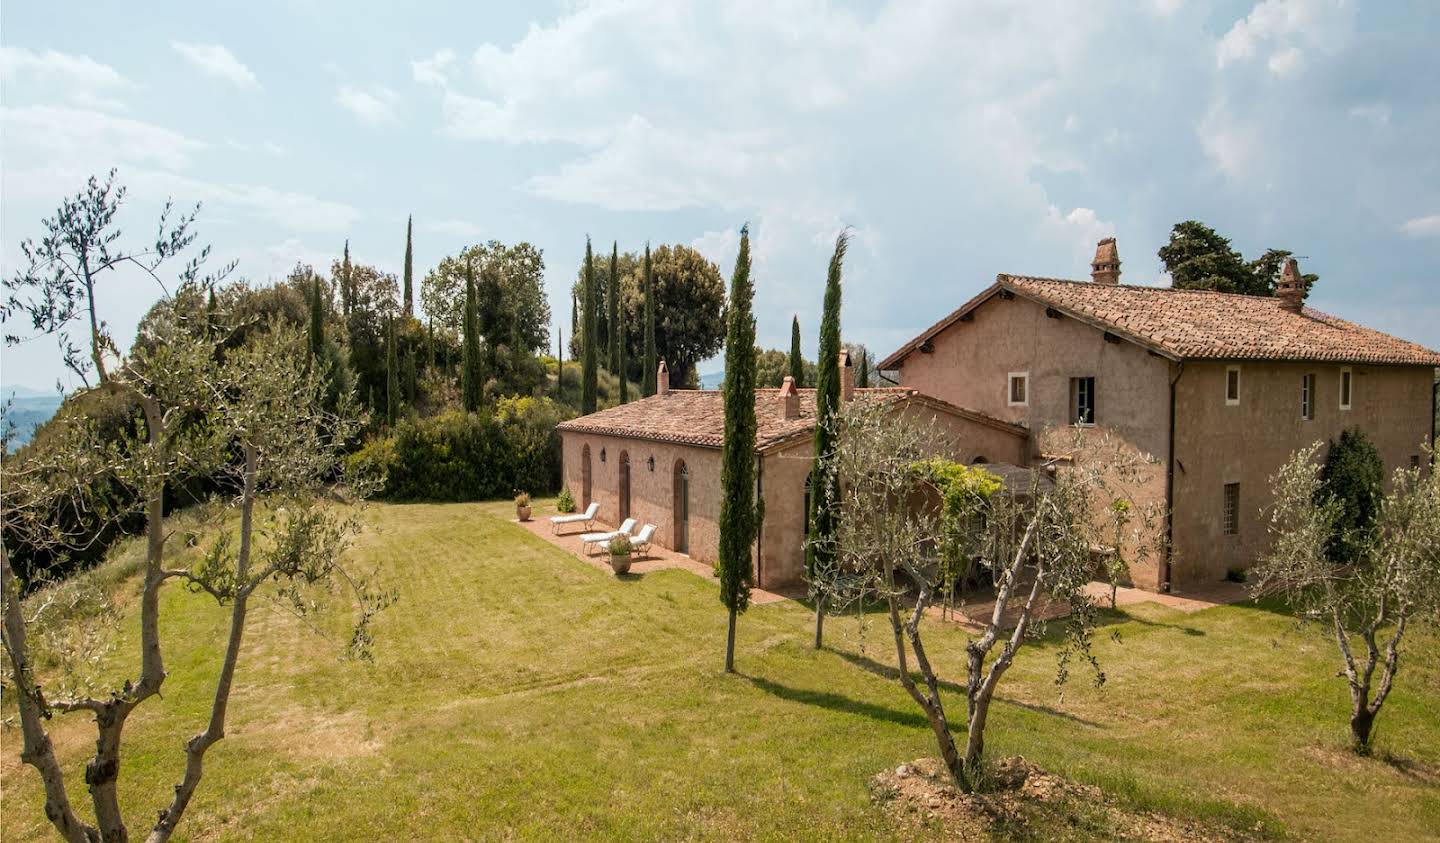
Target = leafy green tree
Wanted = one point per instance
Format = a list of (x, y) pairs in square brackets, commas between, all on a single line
[(773, 365), (472, 384), (797, 362), (409, 267), (689, 308), (1354, 477), (738, 517), (521, 308), (651, 356), (588, 363), (824, 495), (1199, 258)]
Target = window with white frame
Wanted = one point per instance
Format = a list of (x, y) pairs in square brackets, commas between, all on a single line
[(1019, 389), (1346, 384), (1307, 397), (1232, 386)]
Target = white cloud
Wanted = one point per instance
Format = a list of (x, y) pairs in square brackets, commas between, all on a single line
[(217, 60), (374, 107), (85, 81), (434, 70), (1284, 27), (62, 132), (1422, 226)]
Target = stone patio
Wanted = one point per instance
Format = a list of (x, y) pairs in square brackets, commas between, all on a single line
[(656, 559)]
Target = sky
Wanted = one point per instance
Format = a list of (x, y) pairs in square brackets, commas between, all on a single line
[(956, 140)]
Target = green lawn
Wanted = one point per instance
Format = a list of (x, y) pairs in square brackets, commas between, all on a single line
[(518, 693)]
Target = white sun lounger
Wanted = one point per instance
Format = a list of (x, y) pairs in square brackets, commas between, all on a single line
[(589, 539), (641, 542), (586, 517)]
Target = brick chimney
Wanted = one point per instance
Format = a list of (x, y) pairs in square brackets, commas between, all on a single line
[(1291, 289), (790, 398), (1105, 269), (847, 376), (662, 380)]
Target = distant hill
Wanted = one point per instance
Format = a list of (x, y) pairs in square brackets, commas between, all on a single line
[(714, 380), (27, 409)]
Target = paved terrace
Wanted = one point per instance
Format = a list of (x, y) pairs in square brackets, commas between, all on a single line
[(972, 615)]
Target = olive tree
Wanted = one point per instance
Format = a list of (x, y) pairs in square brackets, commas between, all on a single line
[(909, 518), (1389, 582), (202, 405)]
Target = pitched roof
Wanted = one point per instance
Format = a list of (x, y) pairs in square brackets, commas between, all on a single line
[(697, 416), (1198, 324)]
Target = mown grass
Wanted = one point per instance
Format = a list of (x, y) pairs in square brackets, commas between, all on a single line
[(518, 693)]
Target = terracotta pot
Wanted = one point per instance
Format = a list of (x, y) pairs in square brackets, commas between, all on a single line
[(620, 564), (522, 512)]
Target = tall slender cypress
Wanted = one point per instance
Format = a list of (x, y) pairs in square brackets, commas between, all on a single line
[(652, 355), (471, 387), (317, 319), (587, 338), (797, 363), (409, 268), (620, 368), (824, 495), (392, 375), (738, 517), (347, 292), (559, 362), (862, 378), (612, 302)]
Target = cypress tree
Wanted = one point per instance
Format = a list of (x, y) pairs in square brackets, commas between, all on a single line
[(587, 338), (430, 345), (612, 301), (862, 379), (317, 320), (392, 376), (559, 363), (797, 363), (347, 293), (824, 496), (738, 515), (620, 369), (471, 386), (652, 361), (409, 269)]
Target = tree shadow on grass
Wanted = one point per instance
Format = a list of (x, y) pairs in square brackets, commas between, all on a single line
[(836, 702), (892, 674)]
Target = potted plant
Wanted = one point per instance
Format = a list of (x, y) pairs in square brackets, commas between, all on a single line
[(620, 554), (522, 506)]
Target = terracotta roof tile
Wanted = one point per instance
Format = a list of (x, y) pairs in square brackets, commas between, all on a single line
[(697, 417), (1198, 324)]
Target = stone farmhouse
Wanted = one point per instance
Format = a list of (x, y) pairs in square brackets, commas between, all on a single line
[(1214, 391), (1219, 389), (658, 460)]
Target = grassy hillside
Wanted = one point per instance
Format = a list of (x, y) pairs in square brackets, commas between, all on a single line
[(517, 692)]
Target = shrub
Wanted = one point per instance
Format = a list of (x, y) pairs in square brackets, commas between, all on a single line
[(566, 502), (1354, 476), (620, 546), (372, 463), (458, 456)]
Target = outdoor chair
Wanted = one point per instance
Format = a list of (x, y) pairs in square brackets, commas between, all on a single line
[(603, 538), (586, 517), (641, 542)]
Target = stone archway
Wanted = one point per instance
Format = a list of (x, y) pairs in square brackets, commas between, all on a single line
[(585, 477), (680, 511), (622, 491)]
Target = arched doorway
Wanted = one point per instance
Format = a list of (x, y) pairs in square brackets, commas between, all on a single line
[(585, 477), (624, 490), (681, 510)]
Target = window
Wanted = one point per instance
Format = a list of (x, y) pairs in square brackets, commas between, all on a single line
[(1082, 401), (1019, 389), (1307, 397), (1232, 386), (1345, 384), (1232, 509)]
